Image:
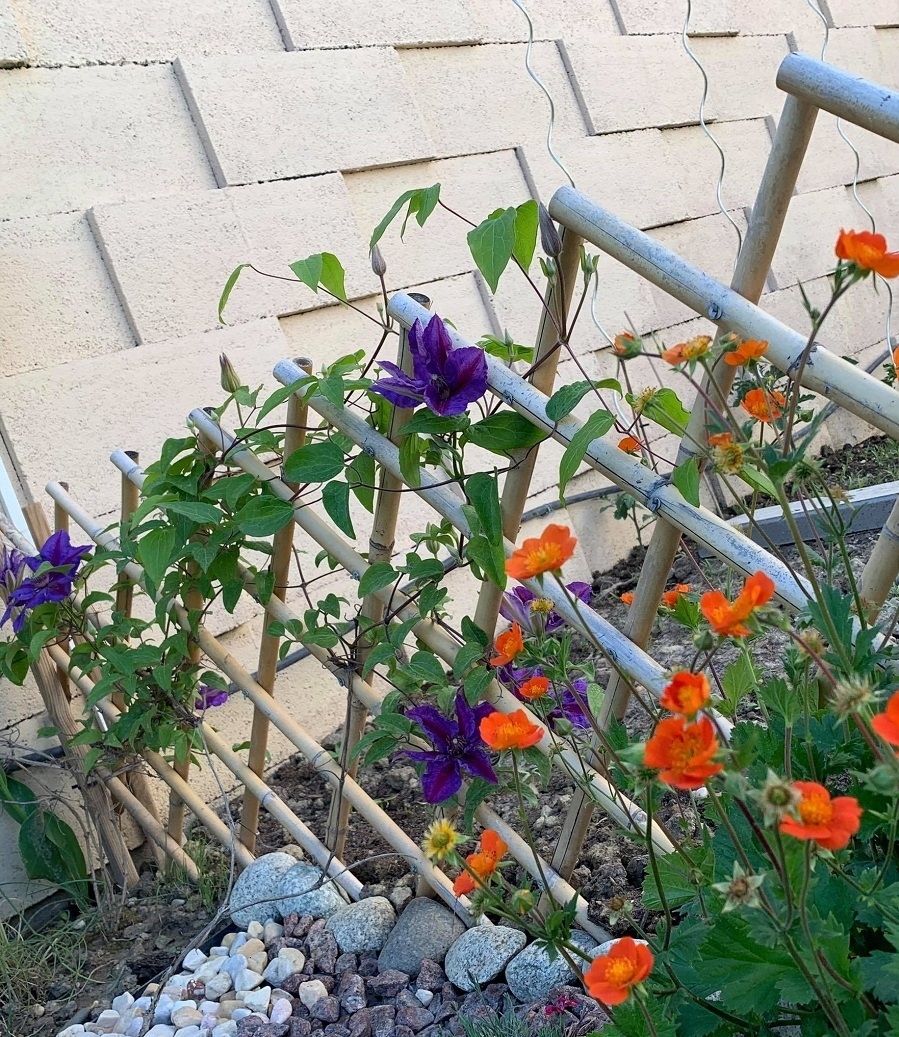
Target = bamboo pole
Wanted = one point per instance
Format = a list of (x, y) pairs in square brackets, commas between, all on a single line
[(267, 668), (882, 566), (380, 549), (130, 499), (61, 522)]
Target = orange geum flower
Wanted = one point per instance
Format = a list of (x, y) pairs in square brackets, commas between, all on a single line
[(830, 823), (535, 688), (868, 251), (510, 731), (687, 693), (728, 619), (630, 445), (546, 553), (726, 455), (746, 352), (683, 752), (628, 598), (721, 439), (483, 863), (684, 351), (670, 598), (886, 724), (762, 405), (627, 346), (508, 645), (611, 976)]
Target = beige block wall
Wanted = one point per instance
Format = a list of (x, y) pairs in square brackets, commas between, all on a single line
[(149, 146)]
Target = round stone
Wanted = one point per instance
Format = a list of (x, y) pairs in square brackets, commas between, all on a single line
[(481, 954), (312, 992), (256, 889), (303, 889), (425, 929), (363, 926), (531, 975)]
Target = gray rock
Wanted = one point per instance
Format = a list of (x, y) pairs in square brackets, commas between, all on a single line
[(256, 889), (425, 929), (480, 955), (363, 926), (303, 891), (531, 975)]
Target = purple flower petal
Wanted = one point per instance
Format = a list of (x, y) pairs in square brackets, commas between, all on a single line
[(515, 607), (399, 388), (470, 720), (440, 780), (477, 764), (58, 551), (440, 730), (419, 352), (581, 590), (438, 345)]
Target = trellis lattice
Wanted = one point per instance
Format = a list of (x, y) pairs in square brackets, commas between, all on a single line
[(810, 86)]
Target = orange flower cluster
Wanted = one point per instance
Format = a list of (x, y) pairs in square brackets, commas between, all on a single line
[(630, 445), (687, 693), (669, 598), (611, 976), (535, 688), (868, 252), (685, 351), (728, 619), (886, 724), (764, 406), (508, 645), (546, 553), (483, 863), (510, 731), (683, 752), (830, 823), (627, 346), (746, 352)]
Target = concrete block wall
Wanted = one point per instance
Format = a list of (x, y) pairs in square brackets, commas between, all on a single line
[(150, 145)]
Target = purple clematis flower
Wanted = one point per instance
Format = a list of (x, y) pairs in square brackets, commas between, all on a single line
[(565, 704), (458, 747), (445, 379), (516, 607), (210, 697), (55, 584)]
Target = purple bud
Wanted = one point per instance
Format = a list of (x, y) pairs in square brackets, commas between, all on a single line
[(549, 233), (379, 267), (230, 380)]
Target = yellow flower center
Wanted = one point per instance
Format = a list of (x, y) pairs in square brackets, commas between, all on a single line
[(815, 810), (546, 558), (727, 459), (542, 605), (620, 971)]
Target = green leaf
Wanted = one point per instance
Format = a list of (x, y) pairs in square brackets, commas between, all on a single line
[(154, 552), (564, 400), (478, 791), (686, 478), (541, 763), (206, 514), (263, 516), (332, 276), (483, 492), (280, 395), (361, 478), (677, 878), (315, 462), (376, 577), (410, 460), (50, 851), (880, 974), (738, 682), (425, 666), (336, 500), (228, 289), (757, 480), (323, 637), (526, 224), (504, 433), (421, 203), (490, 557), (665, 409), (491, 244), (476, 683), (777, 695), (597, 425), (309, 270), (379, 654), (428, 423), (16, 799)]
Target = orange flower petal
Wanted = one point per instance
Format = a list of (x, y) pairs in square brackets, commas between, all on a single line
[(868, 251), (503, 731), (611, 976), (535, 688), (508, 645), (682, 752), (687, 693), (886, 724), (546, 553)]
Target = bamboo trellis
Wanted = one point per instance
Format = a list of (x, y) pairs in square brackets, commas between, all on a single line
[(810, 86)]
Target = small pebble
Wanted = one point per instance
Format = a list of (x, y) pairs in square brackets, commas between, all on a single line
[(218, 952), (123, 1002), (281, 1011), (225, 1029), (311, 992), (239, 940), (107, 1021), (257, 1000), (272, 931), (240, 1013), (228, 940), (255, 930), (188, 1031), (193, 959), (425, 996), (247, 979), (218, 985)]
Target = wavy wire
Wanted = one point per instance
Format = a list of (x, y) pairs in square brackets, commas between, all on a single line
[(889, 314)]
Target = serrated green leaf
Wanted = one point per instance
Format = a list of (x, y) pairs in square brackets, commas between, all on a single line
[(596, 426), (228, 289), (526, 225), (686, 478), (376, 577), (315, 462), (262, 516), (207, 514), (491, 244), (336, 501), (504, 432)]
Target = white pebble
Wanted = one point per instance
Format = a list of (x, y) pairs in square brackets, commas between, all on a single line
[(234, 965), (209, 1020), (194, 959), (272, 931), (218, 952), (188, 1031), (256, 1000), (228, 939), (225, 1029), (312, 992), (107, 1021), (281, 1011), (184, 1016), (296, 957), (134, 1028), (240, 1013), (210, 968), (143, 1003), (237, 943), (123, 1002), (247, 979), (161, 1030), (425, 996), (218, 985), (208, 1007), (75, 1030), (255, 930)]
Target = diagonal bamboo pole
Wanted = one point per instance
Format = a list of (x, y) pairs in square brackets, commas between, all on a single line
[(267, 667), (380, 549), (882, 566)]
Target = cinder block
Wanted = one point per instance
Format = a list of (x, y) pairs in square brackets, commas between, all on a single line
[(618, 81), (649, 17), (473, 186), (77, 137), (888, 45), (552, 20), (882, 198), (307, 24), (57, 304), (742, 74), (170, 257), (806, 246), (830, 161), (879, 13), (764, 17), (709, 243), (131, 400), (64, 32), (481, 99), (273, 116), (13, 50)]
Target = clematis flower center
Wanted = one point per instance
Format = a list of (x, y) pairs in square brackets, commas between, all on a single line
[(816, 810), (620, 971)]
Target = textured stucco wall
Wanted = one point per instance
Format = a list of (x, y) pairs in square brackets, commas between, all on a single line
[(148, 146)]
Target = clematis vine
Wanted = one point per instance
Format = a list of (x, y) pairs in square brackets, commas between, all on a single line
[(55, 566), (458, 747), (447, 380)]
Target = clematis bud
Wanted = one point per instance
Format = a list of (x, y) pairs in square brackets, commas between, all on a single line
[(550, 239), (230, 380), (548, 266), (523, 901), (378, 265)]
